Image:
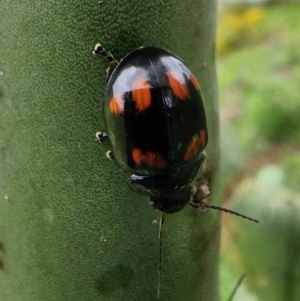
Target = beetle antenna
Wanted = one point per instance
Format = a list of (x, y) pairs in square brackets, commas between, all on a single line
[(162, 221), (204, 205), (236, 287), (230, 211)]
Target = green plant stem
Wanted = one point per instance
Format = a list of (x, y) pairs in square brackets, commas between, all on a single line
[(71, 228)]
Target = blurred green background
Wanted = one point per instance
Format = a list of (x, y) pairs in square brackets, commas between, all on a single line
[(259, 85)]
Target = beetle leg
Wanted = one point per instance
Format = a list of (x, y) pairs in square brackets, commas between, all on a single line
[(109, 155), (100, 136), (99, 50)]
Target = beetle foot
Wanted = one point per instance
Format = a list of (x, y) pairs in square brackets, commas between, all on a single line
[(109, 155), (100, 136)]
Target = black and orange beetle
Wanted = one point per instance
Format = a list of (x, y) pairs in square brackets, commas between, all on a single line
[(156, 123)]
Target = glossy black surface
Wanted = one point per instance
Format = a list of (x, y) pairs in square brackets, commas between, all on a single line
[(156, 123), (167, 126), (169, 192)]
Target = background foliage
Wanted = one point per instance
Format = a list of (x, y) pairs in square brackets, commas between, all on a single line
[(259, 75)]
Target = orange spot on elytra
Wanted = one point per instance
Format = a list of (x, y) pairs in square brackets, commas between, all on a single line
[(137, 156), (177, 85), (116, 104), (153, 160), (191, 151), (202, 137), (141, 94), (195, 82), (198, 141)]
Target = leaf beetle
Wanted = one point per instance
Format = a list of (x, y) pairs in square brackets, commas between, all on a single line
[(156, 123)]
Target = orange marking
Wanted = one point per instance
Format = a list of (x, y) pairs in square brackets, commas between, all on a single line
[(141, 94), (153, 160), (137, 156), (116, 104), (195, 82), (198, 141), (191, 151), (178, 86), (202, 137)]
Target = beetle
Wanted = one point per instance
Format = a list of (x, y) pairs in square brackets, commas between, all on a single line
[(156, 123)]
